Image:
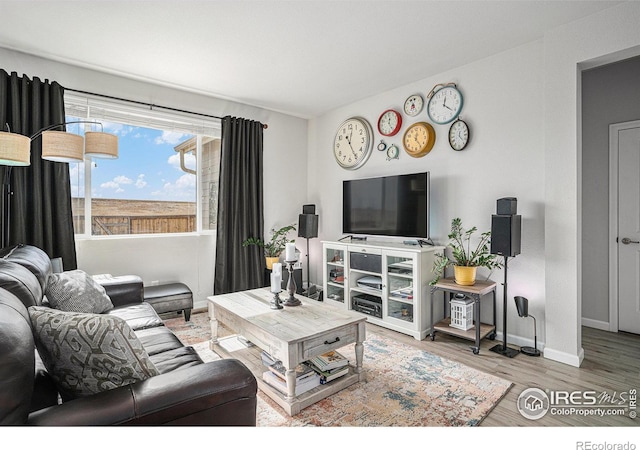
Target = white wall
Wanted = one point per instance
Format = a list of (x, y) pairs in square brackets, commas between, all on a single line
[(171, 258), (600, 37), (504, 109)]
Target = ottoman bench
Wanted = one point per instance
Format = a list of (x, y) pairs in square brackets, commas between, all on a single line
[(171, 297)]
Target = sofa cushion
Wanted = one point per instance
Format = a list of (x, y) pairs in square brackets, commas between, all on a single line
[(139, 316), (33, 258), (19, 280), (88, 353), (76, 291)]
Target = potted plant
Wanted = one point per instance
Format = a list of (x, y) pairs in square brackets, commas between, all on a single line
[(275, 246), (465, 258)]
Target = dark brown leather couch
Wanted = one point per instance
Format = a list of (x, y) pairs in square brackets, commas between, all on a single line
[(187, 391)]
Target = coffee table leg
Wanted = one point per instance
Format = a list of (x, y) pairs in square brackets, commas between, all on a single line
[(359, 347), (291, 383), (214, 329)]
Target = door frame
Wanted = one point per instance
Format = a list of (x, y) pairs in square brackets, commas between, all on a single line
[(614, 159)]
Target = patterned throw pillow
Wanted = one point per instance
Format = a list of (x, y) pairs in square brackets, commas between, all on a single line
[(88, 353), (75, 290)]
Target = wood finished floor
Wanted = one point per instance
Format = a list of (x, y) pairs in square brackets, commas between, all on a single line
[(611, 364)]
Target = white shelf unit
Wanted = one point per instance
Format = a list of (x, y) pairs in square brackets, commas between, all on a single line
[(404, 270)]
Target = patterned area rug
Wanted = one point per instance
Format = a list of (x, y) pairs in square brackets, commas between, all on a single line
[(405, 387)]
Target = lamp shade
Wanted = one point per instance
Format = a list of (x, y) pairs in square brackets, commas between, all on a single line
[(15, 149), (61, 146), (101, 145)]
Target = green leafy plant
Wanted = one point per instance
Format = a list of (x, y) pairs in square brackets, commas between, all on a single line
[(462, 253), (276, 245)]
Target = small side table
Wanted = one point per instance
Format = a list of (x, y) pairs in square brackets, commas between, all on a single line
[(480, 330)]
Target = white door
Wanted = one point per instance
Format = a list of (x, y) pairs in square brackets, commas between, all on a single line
[(628, 239)]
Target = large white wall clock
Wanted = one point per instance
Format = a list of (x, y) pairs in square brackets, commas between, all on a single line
[(445, 103), (353, 143)]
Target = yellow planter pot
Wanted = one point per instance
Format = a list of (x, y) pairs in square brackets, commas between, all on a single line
[(465, 275), (271, 260)]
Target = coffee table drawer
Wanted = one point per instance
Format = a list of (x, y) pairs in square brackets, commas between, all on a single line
[(328, 341)]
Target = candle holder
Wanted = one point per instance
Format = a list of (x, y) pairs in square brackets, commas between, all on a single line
[(276, 303), (291, 286)]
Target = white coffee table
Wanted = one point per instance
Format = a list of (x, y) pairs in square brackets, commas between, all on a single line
[(293, 335)]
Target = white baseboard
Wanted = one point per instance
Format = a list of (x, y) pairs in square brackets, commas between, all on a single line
[(565, 358), (599, 324)]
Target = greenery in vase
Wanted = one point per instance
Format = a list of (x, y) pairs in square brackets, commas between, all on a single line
[(463, 254), (276, 245)]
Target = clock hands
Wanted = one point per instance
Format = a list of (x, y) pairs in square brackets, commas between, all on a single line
[(350, 146)]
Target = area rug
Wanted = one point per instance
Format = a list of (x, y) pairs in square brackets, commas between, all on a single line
[(405, 387)]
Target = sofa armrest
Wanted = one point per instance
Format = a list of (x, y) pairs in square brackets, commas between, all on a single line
[(123, 290), (220, 392)]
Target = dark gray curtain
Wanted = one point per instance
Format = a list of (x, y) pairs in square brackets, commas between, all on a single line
[(40, 207), (240, 207)]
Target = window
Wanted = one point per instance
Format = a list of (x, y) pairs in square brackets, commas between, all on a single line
[(156, 184)]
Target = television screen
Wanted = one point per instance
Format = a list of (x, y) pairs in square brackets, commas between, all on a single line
[(395, 205)]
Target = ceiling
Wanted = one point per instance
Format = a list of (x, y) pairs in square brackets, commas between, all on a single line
[(298, 57)]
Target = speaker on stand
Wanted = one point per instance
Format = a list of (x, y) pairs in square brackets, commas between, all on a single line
[(308, 228), (506, 228)]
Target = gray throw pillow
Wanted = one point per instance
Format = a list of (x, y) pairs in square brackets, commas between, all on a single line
[(88, 353), (75, 290)]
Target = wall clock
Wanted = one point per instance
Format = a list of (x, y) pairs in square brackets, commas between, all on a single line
[(459, 135), (419, 138), (393, 152), (444, 104), (389, 122), (413, 105), (353, 143)]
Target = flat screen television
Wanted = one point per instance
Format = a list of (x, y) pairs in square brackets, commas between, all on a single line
[(396, 206)]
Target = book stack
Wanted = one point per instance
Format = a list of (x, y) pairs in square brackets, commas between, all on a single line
[(306, 378), (329, 366)]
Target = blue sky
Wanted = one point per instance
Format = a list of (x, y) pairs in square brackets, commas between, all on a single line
[(147, 168)]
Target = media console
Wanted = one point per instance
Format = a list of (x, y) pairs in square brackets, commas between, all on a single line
[(404, 273)]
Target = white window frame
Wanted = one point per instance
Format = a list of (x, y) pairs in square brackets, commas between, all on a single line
[(86, 106)]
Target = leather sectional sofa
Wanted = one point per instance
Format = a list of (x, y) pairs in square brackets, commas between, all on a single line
[(186, 391)]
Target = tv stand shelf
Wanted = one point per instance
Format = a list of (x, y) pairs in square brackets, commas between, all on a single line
[(404, 272)]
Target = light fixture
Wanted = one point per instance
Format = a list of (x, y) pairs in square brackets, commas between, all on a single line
[(100, 145), (522, 305), (61, 146), (15, 149)]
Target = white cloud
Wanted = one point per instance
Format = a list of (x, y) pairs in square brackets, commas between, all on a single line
[(189, 161), (184, 188), (170, 137), (117, 183), (140, 183), (121, 179)]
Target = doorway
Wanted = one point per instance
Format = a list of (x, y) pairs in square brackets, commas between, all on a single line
[(624, 227)]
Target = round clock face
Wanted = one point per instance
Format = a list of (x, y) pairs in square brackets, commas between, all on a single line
[(419, 138), (413, 105), (353, 143), (458, 135), (389, 122), (393, 152), (444, 105)]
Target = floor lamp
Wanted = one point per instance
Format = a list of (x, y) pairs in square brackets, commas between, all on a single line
[(59, 146), (308, 228)]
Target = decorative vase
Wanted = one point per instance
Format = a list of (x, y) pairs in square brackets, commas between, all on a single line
[(465, 275), (271, 260)]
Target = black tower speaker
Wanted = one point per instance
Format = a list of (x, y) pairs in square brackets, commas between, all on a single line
[(505, 234)]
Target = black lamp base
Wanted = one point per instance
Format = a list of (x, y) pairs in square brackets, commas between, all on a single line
[(504, 351), (530, 351)]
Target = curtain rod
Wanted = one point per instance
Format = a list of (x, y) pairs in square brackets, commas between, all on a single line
[(150, 105)]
